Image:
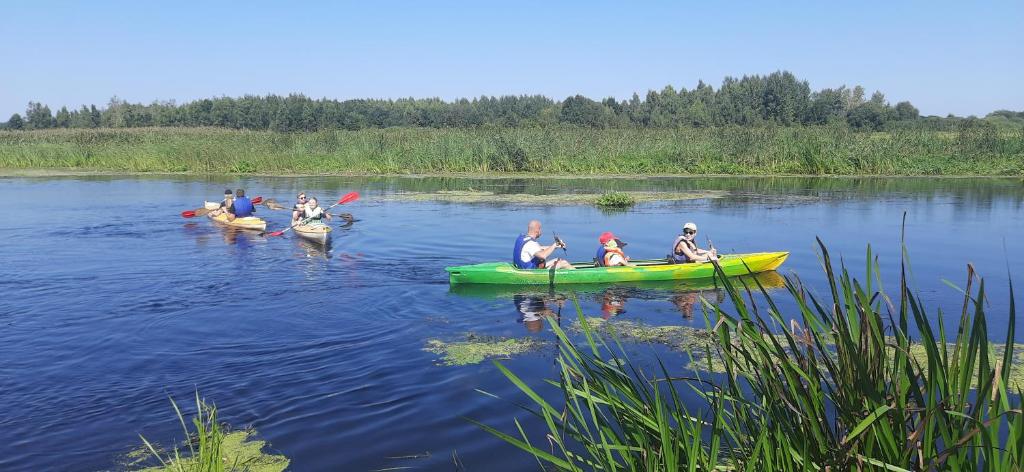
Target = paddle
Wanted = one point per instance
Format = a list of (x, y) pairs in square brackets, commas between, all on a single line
[(561, 244), (203, 211), (349, 197)]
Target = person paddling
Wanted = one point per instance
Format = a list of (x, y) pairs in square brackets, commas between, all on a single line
[(313, 215), (241, 206), (610, 254), (299, 209), (529, 254), (685, 249), (224, 204)]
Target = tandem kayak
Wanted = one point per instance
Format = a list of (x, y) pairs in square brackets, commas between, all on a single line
[(585, 273), (248, 222), (316, 233), (641, 289)]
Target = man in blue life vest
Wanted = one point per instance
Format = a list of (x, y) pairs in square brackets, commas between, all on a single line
[(529, 254), (241, 207)]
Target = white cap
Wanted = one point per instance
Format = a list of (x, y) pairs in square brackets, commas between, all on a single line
[(690, 225)]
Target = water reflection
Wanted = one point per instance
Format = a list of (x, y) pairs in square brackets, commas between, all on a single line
[(533, 309), (315, 249), (534, 303)]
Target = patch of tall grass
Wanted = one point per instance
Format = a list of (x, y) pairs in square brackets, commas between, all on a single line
[(557, 150), (833, 386), (211, 448)]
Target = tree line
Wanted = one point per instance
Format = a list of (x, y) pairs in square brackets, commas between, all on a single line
[(778, 98)]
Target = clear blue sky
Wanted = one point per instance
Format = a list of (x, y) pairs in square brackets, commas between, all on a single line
[(945, 57)]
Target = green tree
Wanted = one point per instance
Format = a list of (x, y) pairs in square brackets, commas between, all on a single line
[(63, 118), (38, 116), (827, 105), (15, 122), (869, 116), (906, 111), (582, 111)]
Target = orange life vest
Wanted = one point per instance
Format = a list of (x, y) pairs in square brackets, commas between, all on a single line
[(608, 255)]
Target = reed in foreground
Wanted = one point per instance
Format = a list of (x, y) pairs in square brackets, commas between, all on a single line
[(836, 389)]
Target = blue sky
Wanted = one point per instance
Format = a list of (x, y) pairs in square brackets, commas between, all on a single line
[(945, 57)]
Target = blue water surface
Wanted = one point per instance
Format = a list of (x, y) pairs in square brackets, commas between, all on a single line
[(111, 301)]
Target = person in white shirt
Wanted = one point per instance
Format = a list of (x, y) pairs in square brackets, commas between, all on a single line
[(529, 254)]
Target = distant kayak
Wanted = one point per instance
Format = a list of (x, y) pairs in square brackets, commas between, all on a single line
[(249, 222), (315, 233), (505, 273)]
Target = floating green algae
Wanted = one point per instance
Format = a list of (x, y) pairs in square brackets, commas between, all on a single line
[(476, 348), (476, 196), (240, 450), (681, 338)]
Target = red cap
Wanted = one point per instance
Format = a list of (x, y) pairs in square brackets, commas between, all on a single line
[(605, 237)]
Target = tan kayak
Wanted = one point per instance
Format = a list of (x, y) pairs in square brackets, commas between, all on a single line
[(249, 222), (316, 233)]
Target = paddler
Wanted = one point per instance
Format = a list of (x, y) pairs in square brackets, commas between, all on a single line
[(241, 206), (610, 254), (685, 249), (225, 203), (313, 215), (299, 209), (529, 254)]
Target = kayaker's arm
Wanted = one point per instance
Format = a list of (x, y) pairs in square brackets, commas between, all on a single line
[(698, 255), (546, 251)]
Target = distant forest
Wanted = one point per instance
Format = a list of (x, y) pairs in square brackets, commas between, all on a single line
[(778, 99)]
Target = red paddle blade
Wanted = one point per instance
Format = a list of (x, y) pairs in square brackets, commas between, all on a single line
[(257, 200), (188, 214), (349, 197), (275, 233)]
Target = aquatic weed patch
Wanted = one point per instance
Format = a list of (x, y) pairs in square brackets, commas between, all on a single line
[(208, 448), (475, 196), (239, 448), (681, 338), (477, 348), (615, 200)]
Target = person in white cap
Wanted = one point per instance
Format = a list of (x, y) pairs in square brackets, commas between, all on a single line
[(685, 249)]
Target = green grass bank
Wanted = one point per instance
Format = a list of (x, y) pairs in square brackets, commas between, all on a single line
[(553, 150)]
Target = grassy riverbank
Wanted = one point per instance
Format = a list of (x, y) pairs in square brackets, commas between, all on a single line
[(724, 150)]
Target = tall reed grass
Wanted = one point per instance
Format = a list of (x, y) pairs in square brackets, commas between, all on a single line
[(837, 388), (725, 150)]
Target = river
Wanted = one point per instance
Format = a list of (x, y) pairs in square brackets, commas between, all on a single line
[(112, 301)]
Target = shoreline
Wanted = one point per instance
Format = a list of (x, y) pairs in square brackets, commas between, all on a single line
[(59, 172)]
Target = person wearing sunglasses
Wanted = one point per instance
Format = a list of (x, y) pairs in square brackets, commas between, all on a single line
[(299, 210), (685, 249)]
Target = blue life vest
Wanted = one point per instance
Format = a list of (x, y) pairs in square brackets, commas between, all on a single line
[(599, 258), (517, 252), (243, 207)]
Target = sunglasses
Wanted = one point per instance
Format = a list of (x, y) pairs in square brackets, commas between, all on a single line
[(689, 231)]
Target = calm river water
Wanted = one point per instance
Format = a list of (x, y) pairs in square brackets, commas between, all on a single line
[(111, 302)]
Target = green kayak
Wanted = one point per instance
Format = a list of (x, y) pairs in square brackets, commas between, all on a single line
[(644, 289), (586, 273)]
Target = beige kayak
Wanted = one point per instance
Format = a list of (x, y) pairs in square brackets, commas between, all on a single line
[(249, 222), (317, 233)]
